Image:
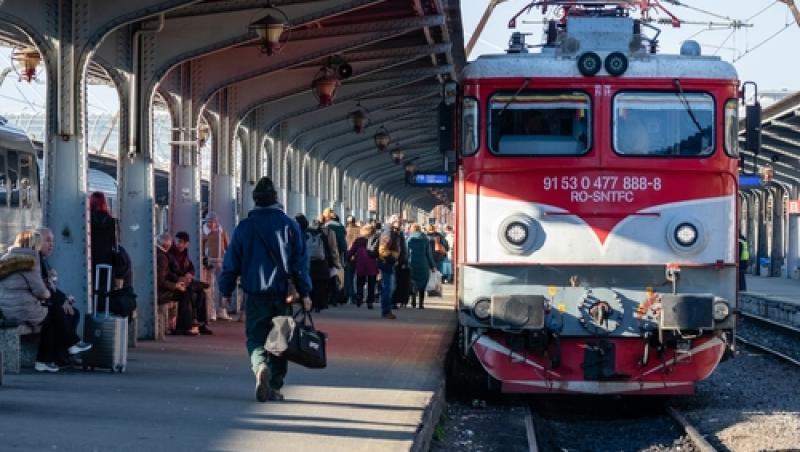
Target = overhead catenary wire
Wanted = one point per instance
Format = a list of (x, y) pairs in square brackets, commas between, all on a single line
[(771, 37)]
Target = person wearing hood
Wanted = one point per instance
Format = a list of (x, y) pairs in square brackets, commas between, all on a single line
[(266, 252)]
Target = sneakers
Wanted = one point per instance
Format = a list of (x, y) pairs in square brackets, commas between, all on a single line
[(222, 314), (390, 316), (45, 367), (80, 347), (205, 330), (262, 383)]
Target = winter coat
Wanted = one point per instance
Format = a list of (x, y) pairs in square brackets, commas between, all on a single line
[(22, 291), (353, 232), (249, 258), (179, 263), (341, 235), (433, 237), (214, 244), (165, 280), (420, 259), (365, 265), (104, 238)]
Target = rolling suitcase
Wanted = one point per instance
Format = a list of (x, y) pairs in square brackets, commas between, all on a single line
[(107, 333)]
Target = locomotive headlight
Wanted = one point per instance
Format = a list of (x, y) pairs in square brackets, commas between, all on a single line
[(516, 233), (686, 234), (721, 310), (482, 309)]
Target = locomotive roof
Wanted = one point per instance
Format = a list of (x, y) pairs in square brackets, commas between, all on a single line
[(640, 65)]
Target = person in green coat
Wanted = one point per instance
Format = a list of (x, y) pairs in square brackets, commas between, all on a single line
[(420, 260)]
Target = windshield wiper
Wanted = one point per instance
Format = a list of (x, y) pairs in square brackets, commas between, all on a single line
[(685, 102), (514, 97)]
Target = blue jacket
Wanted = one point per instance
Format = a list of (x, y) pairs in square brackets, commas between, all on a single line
[(247, 256)]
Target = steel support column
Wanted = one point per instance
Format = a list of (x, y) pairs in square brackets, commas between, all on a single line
[(184, 193), (222, 194)]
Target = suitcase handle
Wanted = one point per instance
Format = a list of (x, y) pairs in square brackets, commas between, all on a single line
[(97, 270)]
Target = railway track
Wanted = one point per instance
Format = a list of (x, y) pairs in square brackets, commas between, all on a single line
[(768, 336), (544, 437)]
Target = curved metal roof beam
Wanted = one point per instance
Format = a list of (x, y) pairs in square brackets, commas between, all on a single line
[(295, 107), (374, 111)]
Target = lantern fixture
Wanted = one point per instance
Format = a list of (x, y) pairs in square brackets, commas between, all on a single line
[(382, 139), (397, 156), (271, 31), (27, 61), (359, 118), (324, 86)]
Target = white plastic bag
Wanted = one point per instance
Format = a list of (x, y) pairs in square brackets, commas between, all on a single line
[(434, 282)]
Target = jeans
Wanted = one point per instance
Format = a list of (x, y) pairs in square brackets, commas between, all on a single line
[(387, 277), (259, 311)]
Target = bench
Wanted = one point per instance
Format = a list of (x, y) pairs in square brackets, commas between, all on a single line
[(18, 346)]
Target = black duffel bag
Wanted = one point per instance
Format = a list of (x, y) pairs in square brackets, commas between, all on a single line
[(297, 340), (122, 302)]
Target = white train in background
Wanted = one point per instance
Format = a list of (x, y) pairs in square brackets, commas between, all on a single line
[(21, 181)]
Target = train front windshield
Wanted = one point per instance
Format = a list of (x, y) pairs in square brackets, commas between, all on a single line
[(532, 123), (664, 124)]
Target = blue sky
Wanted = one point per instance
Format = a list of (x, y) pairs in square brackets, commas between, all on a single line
[(773, 65)]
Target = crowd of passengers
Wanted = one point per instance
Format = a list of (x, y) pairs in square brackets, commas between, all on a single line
[(353, 263)]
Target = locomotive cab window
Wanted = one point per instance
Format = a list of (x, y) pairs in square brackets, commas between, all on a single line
[(663, 124), (539, 123), (732, 128), (469, 126)]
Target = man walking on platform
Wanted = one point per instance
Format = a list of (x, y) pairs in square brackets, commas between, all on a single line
[(267, 250)]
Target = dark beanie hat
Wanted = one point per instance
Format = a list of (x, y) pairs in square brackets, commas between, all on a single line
[(264, 194)]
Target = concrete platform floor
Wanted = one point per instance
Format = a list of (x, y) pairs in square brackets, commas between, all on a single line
[(196, 393), (780, 289)]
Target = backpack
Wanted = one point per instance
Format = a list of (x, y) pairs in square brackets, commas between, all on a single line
[(315, 246)]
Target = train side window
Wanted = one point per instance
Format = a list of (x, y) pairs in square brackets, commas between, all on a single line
[(26, 188), (12, 171), (3, 180), (732, 128), (663, 124), (540, 123), (469, 126)]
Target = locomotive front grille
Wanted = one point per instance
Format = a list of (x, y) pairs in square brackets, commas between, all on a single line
[(518, 311)]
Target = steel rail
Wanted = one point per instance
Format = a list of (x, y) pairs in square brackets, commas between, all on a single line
[(695, 436)]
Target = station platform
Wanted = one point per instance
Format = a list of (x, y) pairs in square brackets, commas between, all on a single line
[(380, 392), (777, 299)]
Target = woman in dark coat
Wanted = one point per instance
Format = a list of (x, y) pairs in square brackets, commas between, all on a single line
[(104, 234), (363, 255), (420, 259)]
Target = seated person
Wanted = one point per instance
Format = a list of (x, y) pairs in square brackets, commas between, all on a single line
[(22, 290), (192, 302), (33, 290), (167, 287)]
